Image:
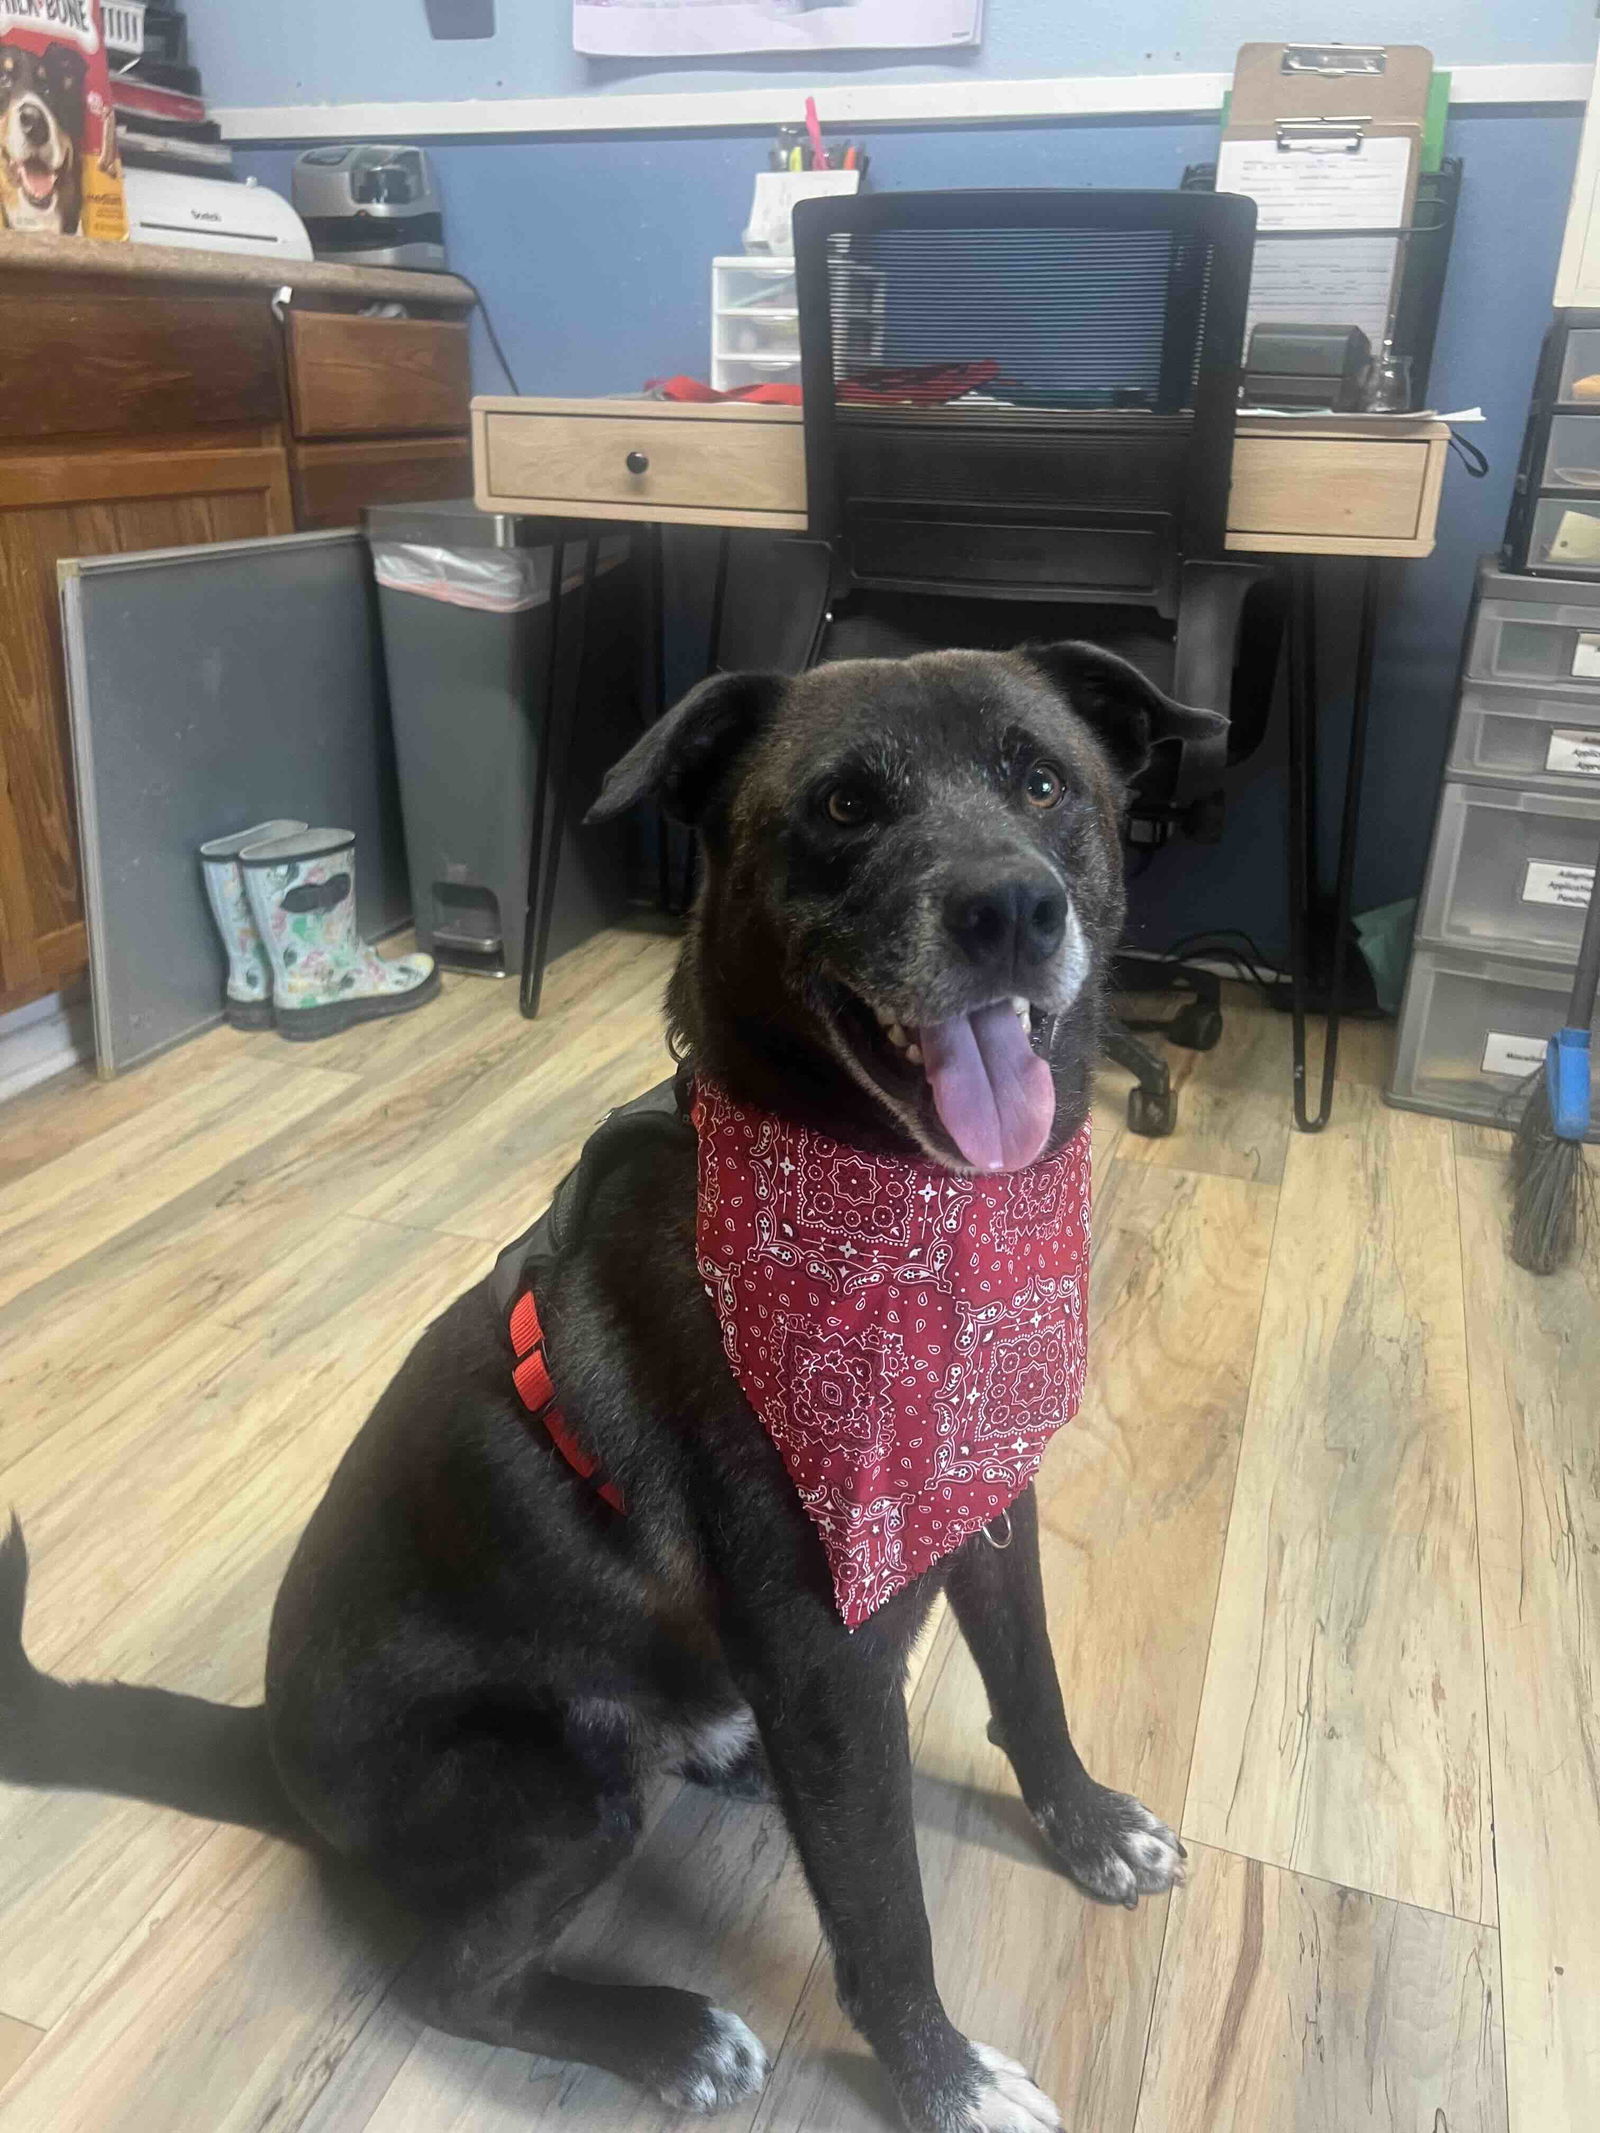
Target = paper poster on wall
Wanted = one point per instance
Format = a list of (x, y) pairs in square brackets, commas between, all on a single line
[(703, 29)]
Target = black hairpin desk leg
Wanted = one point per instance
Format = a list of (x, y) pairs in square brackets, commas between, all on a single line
[(563, 691), (1312, 927)]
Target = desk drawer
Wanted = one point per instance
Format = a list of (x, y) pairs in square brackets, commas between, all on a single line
[(376, 377), (708, 470), (1295, 492)]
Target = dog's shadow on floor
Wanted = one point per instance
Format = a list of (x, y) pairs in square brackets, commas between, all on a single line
[(992, 1821), (859, 2075)]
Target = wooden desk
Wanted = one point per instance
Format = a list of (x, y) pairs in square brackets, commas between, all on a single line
[(1339, 486), (1363, 487)]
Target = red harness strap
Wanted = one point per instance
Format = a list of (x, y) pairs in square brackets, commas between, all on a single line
[(537, 1394)]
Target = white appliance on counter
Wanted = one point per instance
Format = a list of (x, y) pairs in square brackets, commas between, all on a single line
[(212, 215)]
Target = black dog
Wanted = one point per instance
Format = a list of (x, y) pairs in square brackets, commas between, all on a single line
[(472, 1659), (41, 138)]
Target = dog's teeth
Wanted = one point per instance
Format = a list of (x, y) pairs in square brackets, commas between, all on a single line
[(884, 1016), (914, 1054), (896, 1035), (1019, 1007)]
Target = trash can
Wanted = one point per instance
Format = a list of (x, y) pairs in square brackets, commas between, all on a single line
[(464, 597)]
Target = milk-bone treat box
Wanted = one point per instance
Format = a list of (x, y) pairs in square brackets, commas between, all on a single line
[(59, 173)]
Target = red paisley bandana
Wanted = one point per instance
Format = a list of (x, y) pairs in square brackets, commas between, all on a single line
[(911, 1338)]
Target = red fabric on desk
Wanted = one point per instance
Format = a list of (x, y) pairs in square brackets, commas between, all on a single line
[(681, 388)]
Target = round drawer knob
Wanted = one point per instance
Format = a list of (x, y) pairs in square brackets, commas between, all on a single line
[(638, 462)]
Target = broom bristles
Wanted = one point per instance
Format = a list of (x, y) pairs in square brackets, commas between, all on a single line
[(1552, 1189)]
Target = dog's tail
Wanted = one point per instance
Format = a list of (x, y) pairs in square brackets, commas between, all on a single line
[(207, 1759)]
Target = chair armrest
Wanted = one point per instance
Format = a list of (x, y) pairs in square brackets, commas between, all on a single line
[(1211, 597)]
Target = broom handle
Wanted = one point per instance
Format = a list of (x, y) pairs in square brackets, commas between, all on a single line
[(1584, 985)]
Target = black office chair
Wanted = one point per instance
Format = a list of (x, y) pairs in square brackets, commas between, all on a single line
[(1019, 425)]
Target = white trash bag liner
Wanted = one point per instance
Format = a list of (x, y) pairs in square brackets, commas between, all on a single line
[(500, 581), (496, 581)]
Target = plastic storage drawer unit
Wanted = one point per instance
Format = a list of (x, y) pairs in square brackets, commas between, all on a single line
[(1518, 636), (1522, 736), (1472, 1029), (1511, 871)]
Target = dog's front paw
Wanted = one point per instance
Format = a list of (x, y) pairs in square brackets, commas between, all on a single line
[(1008, 2100), (725, 2063), (1111, 1845)]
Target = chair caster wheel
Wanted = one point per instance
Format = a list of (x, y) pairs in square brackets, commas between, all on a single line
[(1196, 1027), (1151, 1113)]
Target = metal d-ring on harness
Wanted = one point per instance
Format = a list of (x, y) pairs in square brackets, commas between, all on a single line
[(1005, 1520)]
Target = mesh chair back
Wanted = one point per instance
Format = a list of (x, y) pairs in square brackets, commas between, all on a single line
[(1022, 395)]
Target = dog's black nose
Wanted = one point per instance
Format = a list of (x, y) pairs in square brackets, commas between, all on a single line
[(1005, 925), (35, 126)]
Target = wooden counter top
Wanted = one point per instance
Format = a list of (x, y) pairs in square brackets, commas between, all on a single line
[(229, 270)]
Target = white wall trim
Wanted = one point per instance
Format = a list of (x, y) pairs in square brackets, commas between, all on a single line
[(44, 1039), (843, 104)]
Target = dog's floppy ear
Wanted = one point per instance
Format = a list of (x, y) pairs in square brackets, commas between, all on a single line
[(66, 70), (1124, 710), (684, 759)]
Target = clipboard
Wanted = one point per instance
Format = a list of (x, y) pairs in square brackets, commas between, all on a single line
[(1389, 82), (1333, 103)]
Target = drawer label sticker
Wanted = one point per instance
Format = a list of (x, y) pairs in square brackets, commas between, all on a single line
[(1547, 881), (1574, 750), (1503, 1054), (1586, 653)]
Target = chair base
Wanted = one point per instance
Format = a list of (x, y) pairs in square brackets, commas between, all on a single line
[(1197, 1026)]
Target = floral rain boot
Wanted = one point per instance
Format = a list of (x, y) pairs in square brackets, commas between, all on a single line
[(247, 992), (302, 893)]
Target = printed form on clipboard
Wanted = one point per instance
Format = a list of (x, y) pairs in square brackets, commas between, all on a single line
[(1360, 182)]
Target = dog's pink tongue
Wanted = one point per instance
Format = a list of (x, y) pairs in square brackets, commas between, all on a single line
[(990, 1087)]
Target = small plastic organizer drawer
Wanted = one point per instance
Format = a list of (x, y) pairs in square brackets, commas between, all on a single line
[(1472, 1029), (1580, 367), (1523, 737), (1572, 455), (1566, 536), (1524, 640), (1511, 871)]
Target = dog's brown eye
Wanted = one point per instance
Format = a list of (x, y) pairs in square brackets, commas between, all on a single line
[(1043, 785), (848, 805)]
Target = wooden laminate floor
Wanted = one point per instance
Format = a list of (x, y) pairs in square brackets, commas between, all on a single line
[(1323, 1554)]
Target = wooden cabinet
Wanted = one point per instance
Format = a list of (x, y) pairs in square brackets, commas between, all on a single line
[(153, 399), (56, 504)]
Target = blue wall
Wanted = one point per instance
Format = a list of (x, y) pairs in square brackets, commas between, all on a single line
[(328, 51), (593, 253)]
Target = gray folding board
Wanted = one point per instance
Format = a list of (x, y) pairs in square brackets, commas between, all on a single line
[(212, 688)]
